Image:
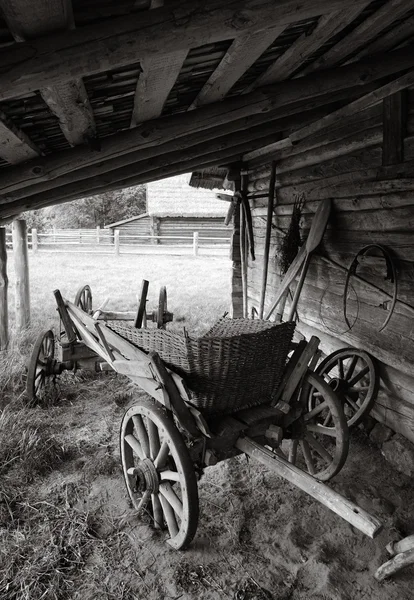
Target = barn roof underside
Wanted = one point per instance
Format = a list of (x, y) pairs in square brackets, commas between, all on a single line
[(97, 95)]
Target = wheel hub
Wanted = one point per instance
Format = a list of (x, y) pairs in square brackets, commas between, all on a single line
[(147, 479)]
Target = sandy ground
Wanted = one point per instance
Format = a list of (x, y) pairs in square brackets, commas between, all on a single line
[(259, 537)]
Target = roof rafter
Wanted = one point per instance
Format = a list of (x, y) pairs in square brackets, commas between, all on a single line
[(389, 40), (68, 101), (366, 31), (119, 42), (243, 52), (15, 145), (306, 45)]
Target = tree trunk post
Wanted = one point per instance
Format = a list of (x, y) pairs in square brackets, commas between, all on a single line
[(35, 241), (21, 262), (195, 243), (4, 283), (116, 241)]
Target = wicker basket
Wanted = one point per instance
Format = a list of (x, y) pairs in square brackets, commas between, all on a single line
[(237, 364)]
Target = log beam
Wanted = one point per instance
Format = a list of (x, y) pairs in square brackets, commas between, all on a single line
[(394, 123), (243, 52), (389, 40), (21, 268), (279, 97), (15, 145), (366, 31), (68, 101), (56, 58), (4, 283), (290, 61)]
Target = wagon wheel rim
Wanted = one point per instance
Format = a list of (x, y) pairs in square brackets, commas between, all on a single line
[(353, 375), (83, 299), (321, 450), (158, 472), (162, 307), (40, 366)]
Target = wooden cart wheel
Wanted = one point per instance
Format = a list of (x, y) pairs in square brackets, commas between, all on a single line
[(353, 375), (162, 307), (83, 299), (320, 448), (158, 471), (40, 366)]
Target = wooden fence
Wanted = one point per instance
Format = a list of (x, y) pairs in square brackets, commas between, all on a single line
[(105, 241)]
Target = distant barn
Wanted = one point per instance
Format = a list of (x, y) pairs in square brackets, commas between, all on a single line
[(175, 210)]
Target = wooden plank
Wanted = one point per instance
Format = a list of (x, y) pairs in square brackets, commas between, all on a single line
[(89, 50), (306, 45), (233, 110), (21, 268), (389, 40), (15, 146), (369, 29), (4, 284), (154, 85), (68, 101), (394, 119), (243, 52)]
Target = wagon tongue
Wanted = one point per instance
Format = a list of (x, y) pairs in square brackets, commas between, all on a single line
[(146, 475)]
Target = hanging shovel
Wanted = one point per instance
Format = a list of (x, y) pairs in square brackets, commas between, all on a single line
[(303, 257)]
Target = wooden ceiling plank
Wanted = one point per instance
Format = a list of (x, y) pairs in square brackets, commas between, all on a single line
[(154, 85), (68, 101), (281, 98), (242, 54), (123, 41), (361, 35), (15, 146), (306, 45), (389, 40)]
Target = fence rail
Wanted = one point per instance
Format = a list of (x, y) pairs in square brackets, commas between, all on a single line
[(104, 241)]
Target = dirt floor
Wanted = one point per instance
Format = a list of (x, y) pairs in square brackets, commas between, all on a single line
[(259, 538)]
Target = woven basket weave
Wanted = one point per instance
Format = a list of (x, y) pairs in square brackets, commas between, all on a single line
[(237, 364)]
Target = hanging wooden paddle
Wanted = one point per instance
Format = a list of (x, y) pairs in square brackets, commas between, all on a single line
[(315, 236)]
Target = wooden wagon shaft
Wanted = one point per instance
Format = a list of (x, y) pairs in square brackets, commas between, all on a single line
[(127, 40), (167, 129), (343, 507)]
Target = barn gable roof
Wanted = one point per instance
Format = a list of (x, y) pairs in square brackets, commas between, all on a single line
[(174, 197)]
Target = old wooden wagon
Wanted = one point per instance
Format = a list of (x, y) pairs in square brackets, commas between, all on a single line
[(230, 391)]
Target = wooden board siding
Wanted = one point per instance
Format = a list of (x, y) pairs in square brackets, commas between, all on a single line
[(371, 203), (208, 227), (136, 227)]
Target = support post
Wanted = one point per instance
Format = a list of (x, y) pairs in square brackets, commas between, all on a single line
[(4, 284), (98, 234), (236, 275), (195, 243), (35, 241), (21, 266), (116, 241)]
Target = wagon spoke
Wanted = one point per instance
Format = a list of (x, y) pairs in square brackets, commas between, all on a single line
[(162, 456), (154, 439), (353, 404), (358, 376), (144, 500), (319, 448), (351, 367), (327, 419), (308, 456), (135, 445), (169, 476), (157, 511), (293, 451), (142, 434), (322, 430), (341, 368), (318, 409), (172, 498), (169, 517)]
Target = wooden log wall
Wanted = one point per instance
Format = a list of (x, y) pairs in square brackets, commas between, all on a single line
[(366, 166)]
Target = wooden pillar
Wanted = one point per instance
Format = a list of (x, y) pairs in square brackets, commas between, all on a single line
[(236, 274), (195, 243), (21, 267), (35, 241), (98, 234), (4, 284)]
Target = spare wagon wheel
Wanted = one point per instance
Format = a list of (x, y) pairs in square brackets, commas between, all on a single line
[(41, 366), (83, 299), (320, 449), (353, 375), (162, 308), (158, 471)]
